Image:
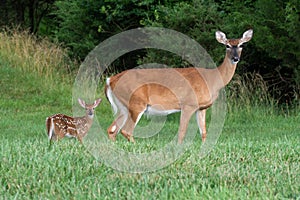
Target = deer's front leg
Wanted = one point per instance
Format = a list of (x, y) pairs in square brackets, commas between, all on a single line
[(184, 121), (79, 138)]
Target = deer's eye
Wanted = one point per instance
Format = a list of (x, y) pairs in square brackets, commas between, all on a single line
[(241, 46), (228, 46)]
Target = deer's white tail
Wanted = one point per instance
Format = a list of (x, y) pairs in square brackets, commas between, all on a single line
[(50, 127), (117, 106), (114, 101)]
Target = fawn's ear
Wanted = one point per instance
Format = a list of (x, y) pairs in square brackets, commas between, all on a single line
[(96, 103), (81, 102)]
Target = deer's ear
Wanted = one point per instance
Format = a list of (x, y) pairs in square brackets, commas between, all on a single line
[(96, 103), (247, 36), (81, 102), (221, 37)]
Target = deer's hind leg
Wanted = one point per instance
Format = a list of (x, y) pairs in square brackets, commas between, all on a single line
[(115, 127), (134, 116), (53, 131), (58, 132)]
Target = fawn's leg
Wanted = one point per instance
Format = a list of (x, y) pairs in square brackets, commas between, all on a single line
[(79, 139)]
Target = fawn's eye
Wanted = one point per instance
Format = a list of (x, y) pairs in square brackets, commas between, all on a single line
[(228, 46), (241, 46)]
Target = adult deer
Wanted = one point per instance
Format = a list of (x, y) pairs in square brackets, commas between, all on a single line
[(60, 125), (168, 90)]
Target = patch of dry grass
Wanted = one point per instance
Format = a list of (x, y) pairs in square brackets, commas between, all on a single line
[(25, 51), (248, 90)]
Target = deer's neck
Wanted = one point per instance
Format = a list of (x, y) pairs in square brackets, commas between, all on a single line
[(84, 119), (89, 118), (219, 77), (226, 70)]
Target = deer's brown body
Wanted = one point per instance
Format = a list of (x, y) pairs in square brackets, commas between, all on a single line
[(164, 91)]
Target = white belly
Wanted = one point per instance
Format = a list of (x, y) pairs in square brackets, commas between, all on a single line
[(154, 111), (69, 136)]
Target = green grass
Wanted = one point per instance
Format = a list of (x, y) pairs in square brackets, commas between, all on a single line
[(257, 155)]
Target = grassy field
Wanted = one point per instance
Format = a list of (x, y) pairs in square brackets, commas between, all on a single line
[(257, 155)]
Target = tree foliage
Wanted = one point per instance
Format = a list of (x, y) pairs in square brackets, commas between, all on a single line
[(82, 24), (24, 13)]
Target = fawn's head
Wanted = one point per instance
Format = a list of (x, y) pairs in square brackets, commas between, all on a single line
[(89, 108), (234, 46)]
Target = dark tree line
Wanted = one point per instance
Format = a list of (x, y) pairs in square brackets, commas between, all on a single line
[(80, 25), (24, 13)]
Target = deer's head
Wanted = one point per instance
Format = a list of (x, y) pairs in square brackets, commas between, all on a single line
[(89, 108), (234, 46)]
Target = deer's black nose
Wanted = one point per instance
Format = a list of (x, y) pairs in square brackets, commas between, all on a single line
[(235, 59)]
